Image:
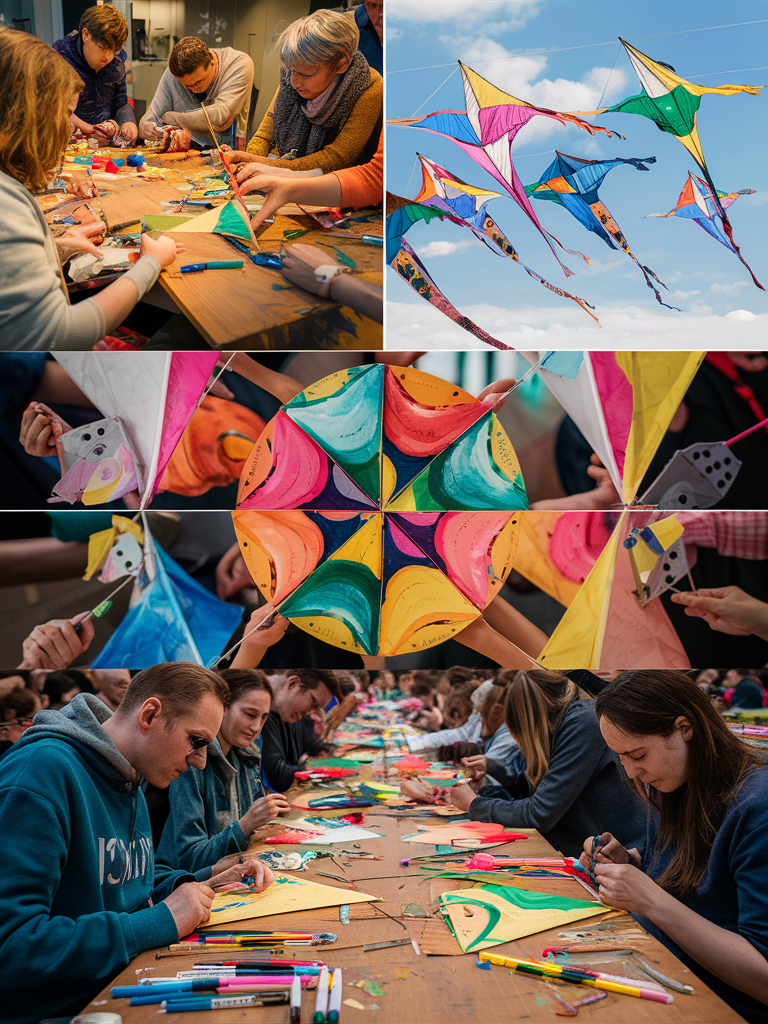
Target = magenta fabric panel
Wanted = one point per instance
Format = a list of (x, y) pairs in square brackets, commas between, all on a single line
[(616, 399)]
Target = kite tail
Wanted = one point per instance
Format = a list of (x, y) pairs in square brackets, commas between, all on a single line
[(727, 223), (573, 252), (648, 274), (560, 291)]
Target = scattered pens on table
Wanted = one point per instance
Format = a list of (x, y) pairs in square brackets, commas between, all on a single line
[(321, 1000), (296, 1000)]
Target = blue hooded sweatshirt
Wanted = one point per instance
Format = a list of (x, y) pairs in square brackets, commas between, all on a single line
[(205, 808), (105, 96), (77, 884)]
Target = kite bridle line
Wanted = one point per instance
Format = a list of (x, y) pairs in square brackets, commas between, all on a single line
[(503, 397), (232, 181), (210, 386), (264, 624)]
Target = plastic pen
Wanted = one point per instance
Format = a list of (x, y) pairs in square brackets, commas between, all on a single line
[(194, 268), (210, 984), (321, 1001), (334, 999), (258, 963), (222, 1003), (250, 969), (296, 1000)]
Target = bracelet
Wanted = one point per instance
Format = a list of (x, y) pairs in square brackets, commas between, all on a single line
[(325, 275)]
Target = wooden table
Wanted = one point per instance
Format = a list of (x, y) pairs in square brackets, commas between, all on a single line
[(427, 989), (250, 308)]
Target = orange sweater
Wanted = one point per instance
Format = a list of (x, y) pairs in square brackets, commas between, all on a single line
[(364, 185)]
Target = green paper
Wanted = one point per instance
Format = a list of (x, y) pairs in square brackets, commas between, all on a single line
[(165, 221), (332, 762), (231, 222)]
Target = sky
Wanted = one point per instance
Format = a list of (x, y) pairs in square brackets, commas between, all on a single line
[(585, 67)]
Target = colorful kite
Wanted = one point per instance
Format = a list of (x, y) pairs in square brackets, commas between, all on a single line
[(697, 203), (222, 220), (146, 399), (486, 130), (672, 104), (378, 509), (573, 183), (171, 618)]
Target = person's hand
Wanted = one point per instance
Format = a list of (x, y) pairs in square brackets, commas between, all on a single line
[(609, 852), (300, 263), (190, 906), (278, 191), (461, 795), (82, 237), (129, 131), (80, 185), (232, 575), (266, 636), (414, 789), (604, 494), (477, 766), (240, 156), (628, 888), (726, 610), (153, 132), (41, 431), (751, 362), (262, 811), (251, 867), (164, 249), (219, 388), (491, 394), (55, 644)]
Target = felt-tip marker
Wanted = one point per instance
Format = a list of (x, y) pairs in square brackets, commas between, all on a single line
[(194, 268), (223, 1003), (334, 999), (296, 1000), (321, 1000)]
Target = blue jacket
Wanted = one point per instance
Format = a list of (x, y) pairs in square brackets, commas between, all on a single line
[(205, 808), (77, 884), (370, 44), (733, 894), (105, 96)]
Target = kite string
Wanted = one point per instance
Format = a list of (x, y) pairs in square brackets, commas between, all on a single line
[(426, 101), (605, 87), (245, 636), (503, 397), (208, 388)]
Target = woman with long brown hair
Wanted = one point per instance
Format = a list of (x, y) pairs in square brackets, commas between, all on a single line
[(565, 779), (38, 92), (702, 886)]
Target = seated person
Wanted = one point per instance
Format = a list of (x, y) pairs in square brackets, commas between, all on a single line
[(564, 776), (95, 51), (219, 78), (79, 914), (284, 738), (17, 711), (700, 887), (215, 809), (369, 17), (327, 111)]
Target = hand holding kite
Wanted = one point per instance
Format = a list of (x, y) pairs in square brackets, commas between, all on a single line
[(55, 644), (41, 431), (727, 610)]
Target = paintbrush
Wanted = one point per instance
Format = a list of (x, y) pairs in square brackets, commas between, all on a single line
[(231, 177)]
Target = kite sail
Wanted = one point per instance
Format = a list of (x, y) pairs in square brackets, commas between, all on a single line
[(697, 203), (466, 205), (573, 183), (672, 104), (485, 132)]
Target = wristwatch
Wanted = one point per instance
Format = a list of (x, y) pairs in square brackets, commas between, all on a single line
[(325, 275)]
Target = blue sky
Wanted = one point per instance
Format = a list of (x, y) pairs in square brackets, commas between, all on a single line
[(503, 41)]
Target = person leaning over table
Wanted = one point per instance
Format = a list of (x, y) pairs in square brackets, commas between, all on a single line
[(216, 809), (95, 51), (39, 89), (78, 911), (220, 78), (564, 780), (700, 887), (327, 111)]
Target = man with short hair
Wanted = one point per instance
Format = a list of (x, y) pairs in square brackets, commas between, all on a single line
[(219, 78), (77, 886), (284, 737), (95, 51)]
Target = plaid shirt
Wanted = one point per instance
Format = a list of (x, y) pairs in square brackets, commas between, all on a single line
[(742, 534), (105, 96)]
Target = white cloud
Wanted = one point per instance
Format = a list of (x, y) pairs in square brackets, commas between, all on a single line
[(684, 295), (729, 288), (441, 248), (506, 15), (758, 199), (394, 34), (410, 325)]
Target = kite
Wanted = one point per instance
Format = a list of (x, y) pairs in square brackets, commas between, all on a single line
[(221, 220), (573, 183), (467, 835), (171, 618), (697, 203), (378, 509), (485, 132), (146, 400), (672, 104), (401, 215)]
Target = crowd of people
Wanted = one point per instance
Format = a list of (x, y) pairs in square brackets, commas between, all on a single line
[(147, 793), (324, 120)]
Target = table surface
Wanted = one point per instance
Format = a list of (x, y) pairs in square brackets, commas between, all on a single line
[(250, 308), (428, 988)]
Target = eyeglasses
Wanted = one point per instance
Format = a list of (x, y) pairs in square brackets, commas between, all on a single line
[(299, 74), (198, 742), (17, 721)]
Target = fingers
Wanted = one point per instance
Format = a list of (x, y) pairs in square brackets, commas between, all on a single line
[(272, 204), (56, 640), (491, 394), (87, 630)]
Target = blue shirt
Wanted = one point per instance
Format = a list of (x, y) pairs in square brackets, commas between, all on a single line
[(733, 894), (370, 44), (105, 96)]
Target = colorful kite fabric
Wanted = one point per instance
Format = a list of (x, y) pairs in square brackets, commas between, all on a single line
[(466, 206), (573, 183), (622, 402), (486, 130), (466, 835), (172, 618), (697, 202), (147, 399), (487, 915), (116, 552), (672, 104), (378, 509), (222, 220)]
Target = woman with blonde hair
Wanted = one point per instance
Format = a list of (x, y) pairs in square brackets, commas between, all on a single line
[(700, 888), (565, 779), (38, 93), (327, 112)]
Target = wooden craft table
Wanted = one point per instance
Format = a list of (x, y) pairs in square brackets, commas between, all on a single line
[(253, 308), (430, 989)]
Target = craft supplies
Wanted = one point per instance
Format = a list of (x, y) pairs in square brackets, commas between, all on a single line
[(334, 999), (321, 1000), (196, 268), (296, 1000)]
